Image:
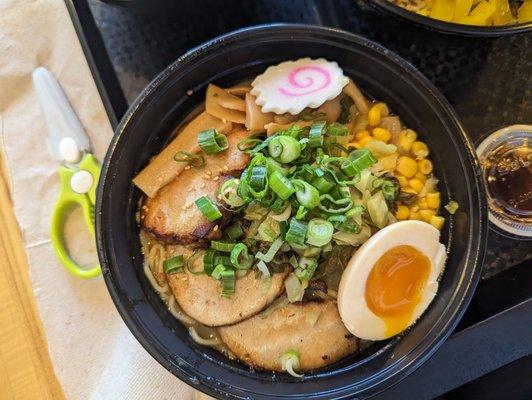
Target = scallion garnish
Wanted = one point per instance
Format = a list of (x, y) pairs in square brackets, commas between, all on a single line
[(281, 185), (296, 232), (228, 278), (306, 268), (229, 195), (222, 246), (315, 135), (290, 362), (274, 248), (208, 208), (208, 261), (217, 271), (323, 181), (284, 149), (234, 231), (319, 232), (212, 142), (195, 160), (336, 129), (240, 257), (301, 212), (173, 265), (306, 194)]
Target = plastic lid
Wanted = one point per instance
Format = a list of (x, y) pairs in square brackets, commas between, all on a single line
[(505, 157)]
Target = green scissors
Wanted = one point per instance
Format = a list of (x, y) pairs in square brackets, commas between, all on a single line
[(79, 173)]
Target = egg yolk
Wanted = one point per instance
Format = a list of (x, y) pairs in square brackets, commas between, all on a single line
[(394, 286)]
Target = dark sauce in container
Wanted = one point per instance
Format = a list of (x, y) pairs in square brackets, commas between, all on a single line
[(509, 178), (506, 160)]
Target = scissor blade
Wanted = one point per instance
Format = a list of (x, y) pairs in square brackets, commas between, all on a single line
[(61, 120)]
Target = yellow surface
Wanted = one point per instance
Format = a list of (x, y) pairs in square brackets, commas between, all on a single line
[(25, 368)]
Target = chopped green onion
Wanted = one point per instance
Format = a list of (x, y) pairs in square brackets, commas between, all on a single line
[(268, 230), (173, 265), (217, 272), (278, 205), (266, 276), (190, 264), (208, 208), (254, 180), (301, 212), (273, 166), (208, 261), (228, 193), (212, 142), (284, 149), (228, 279), (234, 231), (362, 159), (281, 185), (307, 195), (247, 144), (240, 257), (296, 232), (274, 248), (255, 212), (306, 268), (390, 189), (336, 129), (222, 246), (305, 172), (319, 232), (294, 289), (224, 260), (195, 160), (323, 182), (315, 136)]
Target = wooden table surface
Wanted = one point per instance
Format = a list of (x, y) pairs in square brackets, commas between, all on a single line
[(25, 368)]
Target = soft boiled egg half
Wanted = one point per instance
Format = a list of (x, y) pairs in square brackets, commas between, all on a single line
[(391, 280)]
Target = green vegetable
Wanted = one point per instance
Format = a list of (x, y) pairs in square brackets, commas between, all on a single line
[(306, 268), (319, 232), (284, 149), (281, 185), (294, 289), (209, 261), (240, 257), (378, 209), (296, 232), (274, 248), (208, 208), (234, 231), (173, 265), (323, 181), (222, 246), (290, 361), (211, 142), (306, 194), (192, 159), (228, 278), (315, 136), (229, 195)]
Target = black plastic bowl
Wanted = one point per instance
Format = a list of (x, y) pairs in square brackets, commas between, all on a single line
[(149, 124), (447, 27)]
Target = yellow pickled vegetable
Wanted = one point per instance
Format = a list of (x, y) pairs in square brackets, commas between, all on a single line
[(442, 10), (524, 14), (484, 11), (462, 8), (502, 15)]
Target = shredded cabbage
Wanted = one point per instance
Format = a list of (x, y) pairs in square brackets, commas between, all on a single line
[(353, 239), (378, 209), (294, 288)]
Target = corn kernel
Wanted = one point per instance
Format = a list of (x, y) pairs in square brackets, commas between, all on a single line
[(419, 176), (422, 203), (420, 150), (424, 166), (414, 208), (426, 215), (433, 200), (403, 181), (376, 112), (406, 138), (402, 213), (414, 215), (437, 222), (416, 185), (382, 134), (361, 134), (365, 141), (406, 166)]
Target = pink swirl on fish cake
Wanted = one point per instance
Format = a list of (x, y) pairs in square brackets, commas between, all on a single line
[(309, 81)]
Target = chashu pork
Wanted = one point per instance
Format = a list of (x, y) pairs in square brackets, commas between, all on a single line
[(200, 296), (314, 329), (172, 216)]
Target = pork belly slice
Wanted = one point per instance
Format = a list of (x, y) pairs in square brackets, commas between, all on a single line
[(200, 296), (172, 216), (314, 329)]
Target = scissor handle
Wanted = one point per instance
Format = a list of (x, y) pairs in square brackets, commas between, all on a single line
[(68, 199)]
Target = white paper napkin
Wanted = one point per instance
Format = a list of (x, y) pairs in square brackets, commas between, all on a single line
[(93, 353)]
